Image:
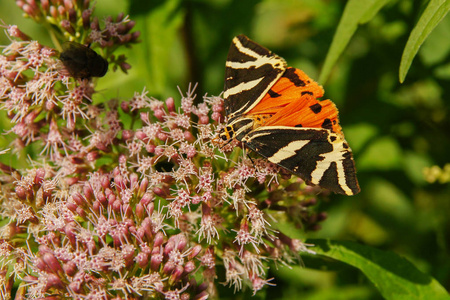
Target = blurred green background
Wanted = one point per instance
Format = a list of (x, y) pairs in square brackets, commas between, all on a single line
[(395, 130)]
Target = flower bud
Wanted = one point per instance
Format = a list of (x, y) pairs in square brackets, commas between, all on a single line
[(169, 247), (39, 177), (203, 120), (40, 264), (188, 136), (159, 239), (68, 4), (127, 135), (142, 259), (86, 17), (54, 12), (117, 206), (168, 267), (159, 192), (53, 281), (140, 211), (78, 199), (120, 182), (130, 25), (72, 15), (111, 198), (70, 268), (96, 206), (176, 273), (322, 216), (52, 263), (21, 192), (94, 24), (195, 251), (104, 182), (170, 103), (72, 206), (121, 29), (189, 266), (80, 211), (134, 178), (201, 296), (150, 207), (155, 261), (65, 24), (140, 135), (135, 35), (140, 233), (127, 210), (93, 156), (28, 9), (120, 17), (71, 181), (70, 234), (143, 186), (159, 114), (150, 148), (43, 249)]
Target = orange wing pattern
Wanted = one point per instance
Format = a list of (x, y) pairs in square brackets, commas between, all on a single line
[(292, 101)]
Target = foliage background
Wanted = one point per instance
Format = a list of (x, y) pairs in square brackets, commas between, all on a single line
[(395, 130)]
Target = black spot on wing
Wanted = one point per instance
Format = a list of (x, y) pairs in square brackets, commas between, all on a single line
[(327, 124), (293, 77), (306, 93), (273, 94), (298, 125), (316, 108)]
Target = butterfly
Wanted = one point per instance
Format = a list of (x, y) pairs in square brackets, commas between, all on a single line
[(80, 61), (273, 110)]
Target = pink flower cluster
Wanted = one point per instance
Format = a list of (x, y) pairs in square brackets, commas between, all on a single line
[(75, 21), (175, 203)]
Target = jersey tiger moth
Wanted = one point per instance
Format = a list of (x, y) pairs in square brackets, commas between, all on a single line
[(273, 110)]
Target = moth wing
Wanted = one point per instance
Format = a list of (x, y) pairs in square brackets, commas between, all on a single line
[(250, 71), (80, 61), (308, 112), (291, 87), (316, 155), (76, 52)]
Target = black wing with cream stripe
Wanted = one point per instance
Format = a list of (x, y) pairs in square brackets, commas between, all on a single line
[(317, 155), (251, 70)]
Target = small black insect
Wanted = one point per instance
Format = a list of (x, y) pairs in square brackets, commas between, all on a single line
[(80, 61)]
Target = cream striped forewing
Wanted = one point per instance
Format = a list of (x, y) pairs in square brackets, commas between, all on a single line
[(250, 71)]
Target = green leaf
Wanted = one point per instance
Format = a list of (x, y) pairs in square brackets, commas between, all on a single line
[(356, 12), (433, 14), (394, 276), (382, 153)]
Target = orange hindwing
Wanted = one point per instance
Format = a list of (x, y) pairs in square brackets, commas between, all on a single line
[(292, 101)]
